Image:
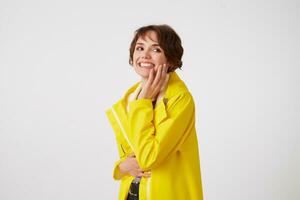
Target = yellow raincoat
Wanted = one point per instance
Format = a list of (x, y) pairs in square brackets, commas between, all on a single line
[(163, 140)]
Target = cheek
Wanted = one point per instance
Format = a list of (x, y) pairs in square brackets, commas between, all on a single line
[(134, 58), (161, 60), (161, 57)]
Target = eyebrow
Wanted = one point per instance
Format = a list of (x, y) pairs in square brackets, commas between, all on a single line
[(141, 43)]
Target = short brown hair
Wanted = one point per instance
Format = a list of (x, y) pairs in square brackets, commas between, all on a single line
[(168, 40)]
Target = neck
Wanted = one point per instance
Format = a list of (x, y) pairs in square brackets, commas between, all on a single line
[(144, 80)]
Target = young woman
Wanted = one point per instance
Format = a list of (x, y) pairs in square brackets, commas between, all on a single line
[(154, 123)]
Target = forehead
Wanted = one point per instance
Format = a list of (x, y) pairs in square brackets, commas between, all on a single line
[(149, 37)]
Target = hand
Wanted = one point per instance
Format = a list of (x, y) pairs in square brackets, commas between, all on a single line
[(153, 85), (131, 166)]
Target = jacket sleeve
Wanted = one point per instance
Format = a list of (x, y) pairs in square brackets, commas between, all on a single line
[(153, 144), (117, 175)]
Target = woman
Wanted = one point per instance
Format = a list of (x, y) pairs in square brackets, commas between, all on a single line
[(154, 123)]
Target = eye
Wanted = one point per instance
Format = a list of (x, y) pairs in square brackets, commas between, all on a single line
[(139, 48), (156, 50)]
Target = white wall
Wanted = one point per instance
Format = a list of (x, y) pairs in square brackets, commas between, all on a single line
[(62, 63)]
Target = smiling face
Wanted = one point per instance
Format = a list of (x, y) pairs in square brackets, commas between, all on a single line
[(147, 54)]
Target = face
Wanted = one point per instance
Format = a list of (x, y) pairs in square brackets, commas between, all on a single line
[(148, 54)]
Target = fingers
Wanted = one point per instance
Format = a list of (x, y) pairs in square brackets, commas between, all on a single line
[(165, 77), (132, 167), (151, 77), (135, 169), (157, 76), (140, 173), (160, 78), (163, 74), (134, 162), (154, 83)]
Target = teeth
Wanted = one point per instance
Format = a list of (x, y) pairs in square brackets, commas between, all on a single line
[(146, 64)]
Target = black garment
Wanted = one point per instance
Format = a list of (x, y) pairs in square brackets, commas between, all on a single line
[(133, 193)]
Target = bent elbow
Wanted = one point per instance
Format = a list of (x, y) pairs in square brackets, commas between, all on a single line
[(147, 161)]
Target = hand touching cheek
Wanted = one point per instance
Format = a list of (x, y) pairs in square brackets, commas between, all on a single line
[(154, 83)]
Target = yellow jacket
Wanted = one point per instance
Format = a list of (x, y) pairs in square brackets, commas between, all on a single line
[(163, 140)]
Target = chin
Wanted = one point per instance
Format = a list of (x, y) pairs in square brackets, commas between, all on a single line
[(144, 73)]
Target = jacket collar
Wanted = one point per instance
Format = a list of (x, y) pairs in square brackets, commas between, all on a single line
[(132, 96), (119, 114), (173, 87), (166, 92)]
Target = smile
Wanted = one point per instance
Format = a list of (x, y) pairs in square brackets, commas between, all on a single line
[(146, 65)]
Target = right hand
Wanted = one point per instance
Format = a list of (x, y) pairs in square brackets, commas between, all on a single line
[(154, 83), (131, 166)]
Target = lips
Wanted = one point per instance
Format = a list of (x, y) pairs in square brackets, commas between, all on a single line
[(146, 64)]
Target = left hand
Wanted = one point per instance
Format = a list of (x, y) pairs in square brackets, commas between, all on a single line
[(154, 83)]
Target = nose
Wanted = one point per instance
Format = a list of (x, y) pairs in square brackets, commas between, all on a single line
[(146, 54)]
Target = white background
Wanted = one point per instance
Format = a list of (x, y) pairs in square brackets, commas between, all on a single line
[(63, 63)]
